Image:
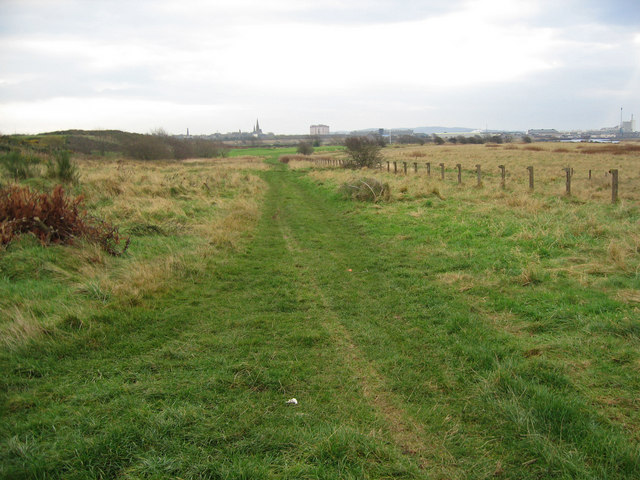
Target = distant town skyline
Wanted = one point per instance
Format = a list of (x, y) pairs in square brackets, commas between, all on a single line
[(216, 66)]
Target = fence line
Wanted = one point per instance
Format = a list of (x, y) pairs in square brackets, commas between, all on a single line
[(569, 173)]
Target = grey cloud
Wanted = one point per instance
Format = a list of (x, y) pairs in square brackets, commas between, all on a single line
[(379, 11)]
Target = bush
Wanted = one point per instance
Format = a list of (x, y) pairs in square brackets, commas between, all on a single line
[(19, 166), (203, 148), (62, 168), (149, 147), (53, 219), (305, 148), (181, 148), (363, 152), (366, 190)]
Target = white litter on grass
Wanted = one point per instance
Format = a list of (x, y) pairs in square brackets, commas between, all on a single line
[(292, 401)]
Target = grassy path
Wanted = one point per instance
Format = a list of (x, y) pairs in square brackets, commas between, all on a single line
[(395, 377)]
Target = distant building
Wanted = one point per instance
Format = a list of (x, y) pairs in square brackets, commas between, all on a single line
[(257, 130), (543, 131), (319, 130), (629, 127)]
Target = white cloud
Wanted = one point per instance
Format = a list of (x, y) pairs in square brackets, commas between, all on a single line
[(270, 58)]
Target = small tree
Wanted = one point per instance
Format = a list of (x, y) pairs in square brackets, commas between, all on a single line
[(305, 148), (363, 152)]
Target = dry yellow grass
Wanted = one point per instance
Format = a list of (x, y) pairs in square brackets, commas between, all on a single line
[(548, 160), (19, 325), (604, 238), (210, 204), (180, 214), (213, 200), (298, 162)]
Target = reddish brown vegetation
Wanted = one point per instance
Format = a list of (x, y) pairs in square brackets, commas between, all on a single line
[(613, 148), (53, 218)]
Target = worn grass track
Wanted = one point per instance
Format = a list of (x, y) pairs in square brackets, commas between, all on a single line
[(395, 376)]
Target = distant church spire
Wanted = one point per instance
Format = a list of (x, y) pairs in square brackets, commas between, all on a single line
[(256, 129)]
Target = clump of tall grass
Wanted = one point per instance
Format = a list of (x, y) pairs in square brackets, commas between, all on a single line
[(533, 148), (366, 190), (62, 168), (20, 327), (532, 274), (19, 166)]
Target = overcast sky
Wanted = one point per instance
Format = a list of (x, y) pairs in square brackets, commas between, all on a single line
[(216, 66)]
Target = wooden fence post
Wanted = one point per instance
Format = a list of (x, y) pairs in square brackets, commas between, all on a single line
[(395, 167), (614, 185), (415, 167), (428, 169), (388, 166), (589, 174), (442, 167), (459, 167), (568, 183), (479, 172), (530, 177), (405, 167), (502, 172)]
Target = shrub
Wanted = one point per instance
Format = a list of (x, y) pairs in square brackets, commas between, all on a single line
[(180, 147), (53, 218), (305, 148), (19, 166), (149, 147), (362, 152), (203, 148), (62, 168), (366, 190)]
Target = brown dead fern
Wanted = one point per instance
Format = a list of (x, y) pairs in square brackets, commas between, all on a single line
[(53, 218)]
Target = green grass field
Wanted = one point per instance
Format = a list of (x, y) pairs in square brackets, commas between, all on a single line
[(452, 334)]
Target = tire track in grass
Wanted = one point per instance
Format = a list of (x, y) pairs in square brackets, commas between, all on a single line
[(405, 432)]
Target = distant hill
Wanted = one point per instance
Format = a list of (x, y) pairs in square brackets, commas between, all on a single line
[(134, 145)]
